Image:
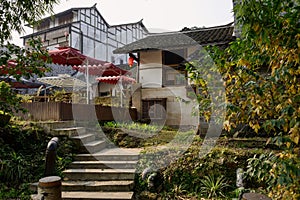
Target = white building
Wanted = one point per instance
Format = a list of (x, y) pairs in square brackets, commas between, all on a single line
[(85, 29)]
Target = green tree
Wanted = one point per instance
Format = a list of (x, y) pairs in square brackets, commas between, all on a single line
[(14, 14), (262, 75)]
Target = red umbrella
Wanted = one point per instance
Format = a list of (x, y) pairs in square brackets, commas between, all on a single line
[(9, 68), (4, 69), (107, 69), (115, 79), (22, 83), (71, 56)]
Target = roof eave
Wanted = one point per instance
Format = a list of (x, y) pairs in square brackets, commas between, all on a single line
[(135, 50)]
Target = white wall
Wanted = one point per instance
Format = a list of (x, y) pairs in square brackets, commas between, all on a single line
[(150, 76), (150, 69), (178, 112)]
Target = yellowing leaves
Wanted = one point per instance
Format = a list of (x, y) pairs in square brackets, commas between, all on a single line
[(257, 110), (255, 126), (278, 107), (243, 62), (294, 134), (256, 28)]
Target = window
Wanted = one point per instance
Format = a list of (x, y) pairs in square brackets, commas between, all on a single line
[(129, 36), (174, 73), (104, 94), (112, 59), (173, 77), (75, 40), (123, 37), (65, 19), (88, 47), (112, 42), (91, 31), (154, 109), (100, 51), (43, 25), (173, 57), (84, 28), (97, 35), (103, 37), (118, 35), (93, 20), (88, 12)]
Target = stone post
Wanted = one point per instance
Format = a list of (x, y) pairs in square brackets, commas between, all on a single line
[(50, 188), (255, 196)]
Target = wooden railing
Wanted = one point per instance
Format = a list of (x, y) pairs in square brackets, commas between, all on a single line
[(60, 111)]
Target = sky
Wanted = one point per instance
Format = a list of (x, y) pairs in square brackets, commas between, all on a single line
[(157, 15)]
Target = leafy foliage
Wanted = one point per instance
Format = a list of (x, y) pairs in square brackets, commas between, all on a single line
[(213, 187), (26, 62), (136, 135), (14, 13), (281, 170), (9, 101), (22, 158), (182, 179), (134, 126), (262, 75)]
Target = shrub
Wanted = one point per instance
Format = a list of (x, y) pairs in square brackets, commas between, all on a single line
[(9, 101)]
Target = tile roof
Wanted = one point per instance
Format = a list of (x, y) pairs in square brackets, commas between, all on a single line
[(218, 35)]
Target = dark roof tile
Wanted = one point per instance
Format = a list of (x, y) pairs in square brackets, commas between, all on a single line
[(218, 35)]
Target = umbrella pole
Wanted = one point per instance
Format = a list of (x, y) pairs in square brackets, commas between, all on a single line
[(121, 87), (87, 83)]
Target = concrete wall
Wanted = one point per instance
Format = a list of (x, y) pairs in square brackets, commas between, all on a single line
[(178, 110), (150, 69)]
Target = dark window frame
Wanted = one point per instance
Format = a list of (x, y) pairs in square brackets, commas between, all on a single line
[(156, 113), (173, 63)]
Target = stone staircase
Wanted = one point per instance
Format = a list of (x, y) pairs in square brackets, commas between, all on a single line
[(100, 171)]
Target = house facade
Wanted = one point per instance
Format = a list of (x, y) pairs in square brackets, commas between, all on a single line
[(86, 29), (162, 91)]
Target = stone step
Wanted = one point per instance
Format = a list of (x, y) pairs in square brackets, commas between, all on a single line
[(83, 139), (70, 131), (99, 174), (49, 126), (107, 186), (112, 154), (101, 157), (103, 164), (97, 195), (94, 146)]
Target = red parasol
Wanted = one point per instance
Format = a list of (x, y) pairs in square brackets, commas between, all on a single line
[(107, 69), (4, 69), (21, 84), (115, 79), (71, 56)]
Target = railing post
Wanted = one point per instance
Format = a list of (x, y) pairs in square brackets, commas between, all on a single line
[(49, 188), (51, 157)]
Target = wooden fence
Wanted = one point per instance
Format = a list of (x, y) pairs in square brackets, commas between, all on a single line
[(60, 111)]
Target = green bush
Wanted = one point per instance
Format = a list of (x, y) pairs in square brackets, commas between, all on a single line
[(194, 177), (22, 158), (278, 173), (9, 101)]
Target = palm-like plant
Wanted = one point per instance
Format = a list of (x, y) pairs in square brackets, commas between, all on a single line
[(213, 187)]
